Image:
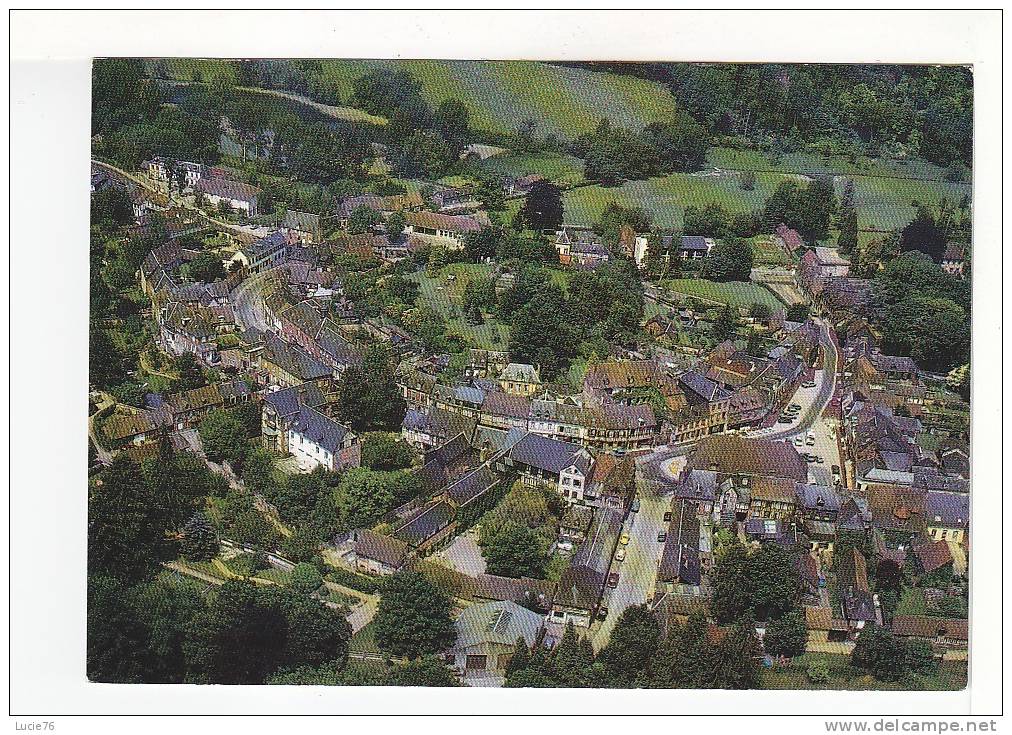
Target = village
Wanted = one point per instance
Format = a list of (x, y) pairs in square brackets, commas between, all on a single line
[(549, 493)]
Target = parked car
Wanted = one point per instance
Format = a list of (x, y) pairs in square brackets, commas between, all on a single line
[(635, 507), (799, 441), (613, 580), (810, 441), (662, 537), (620, 555), (795, 406), (667, 517), (819, 460), (808, 384), (809, 457), (624, 539), (836, 473), (784, 419)]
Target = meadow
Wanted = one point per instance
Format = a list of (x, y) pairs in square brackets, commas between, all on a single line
[(734, 293)]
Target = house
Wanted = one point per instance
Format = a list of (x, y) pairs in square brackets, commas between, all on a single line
[(521, 185), (184, 328), (769, 531), (946, 516), (285, 364), (695, 247), (374, 553), (384, 204), (859, 606), (612, 483), (932, 558), (588, 255), (304, 225), (789, 239), (772, 498), (162, 169), (279, 408), (435, 228), (550, 463), (743, 457), (487, 637), (434, 427), (819, 622), (504, 411), (953, 259), (520, 379), (944, 634), (266, 253), (189, 407), (237, 195), (830, 264), (530, 593), (430, 526), (581, 584), (680, 566), (317, 440)]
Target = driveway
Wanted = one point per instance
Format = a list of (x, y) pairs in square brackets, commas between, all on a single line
[(638, 573)]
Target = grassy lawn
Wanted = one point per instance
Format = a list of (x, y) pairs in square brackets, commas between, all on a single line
[(558, 168), (666, 197), (557, 564), (440, 293), (767, 252), (734, 293), (365, 640), (912, 602), (951, 675)]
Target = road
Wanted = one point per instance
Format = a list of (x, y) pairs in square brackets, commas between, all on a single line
[(248, 303), (638, 572)]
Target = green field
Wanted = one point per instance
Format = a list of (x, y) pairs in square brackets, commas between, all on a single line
[(501, 95), (735, 293), (558, 168), (666, 197), (951, 676), (444, 295)]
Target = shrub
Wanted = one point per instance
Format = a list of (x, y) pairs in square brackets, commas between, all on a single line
[(305, 579), (818, 672)]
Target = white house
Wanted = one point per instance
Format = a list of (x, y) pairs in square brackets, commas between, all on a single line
[(316, 440), (551, 463), (238, 195)]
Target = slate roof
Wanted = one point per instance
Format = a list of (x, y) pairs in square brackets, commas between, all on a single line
[(320, 429), (437, 221), (951, 510), (520, 372), (293, 359), (433, 519), (701, 386), (215, 394), (472, 485), (680, 558), (579, 587), (818, 497), (289, 401), (539, 592), (499, 403), (550, 455), (693, 243), (384, 549)]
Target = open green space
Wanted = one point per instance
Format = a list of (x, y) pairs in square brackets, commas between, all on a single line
[(768, 252), (444, 291), (733, 293), (559, 168), (951, 675)]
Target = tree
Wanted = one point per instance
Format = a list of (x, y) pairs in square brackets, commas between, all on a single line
[(760, 312), (541, 335), (125, 539), (314, 634), (924, 235), (363, 219), (572, 659), (483, 245), (413, 617), (729, 260), (364, 495), (200, 542), (880, 653), (106, 365), (542, 208), (919, 658), (223, 437), (786, 636), (725, 326), (245, 524), (515, 551), (427, 671), (846, 241), (118, 641), (190, 373), (763, 584), (305, 579), (239, 638), (797, 313), (629, 654), (385, 451), (368, 396), (395, 225), (452, 121), (111, 208), (206, 267), (520, 659), (747, 180), (736, 660)]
